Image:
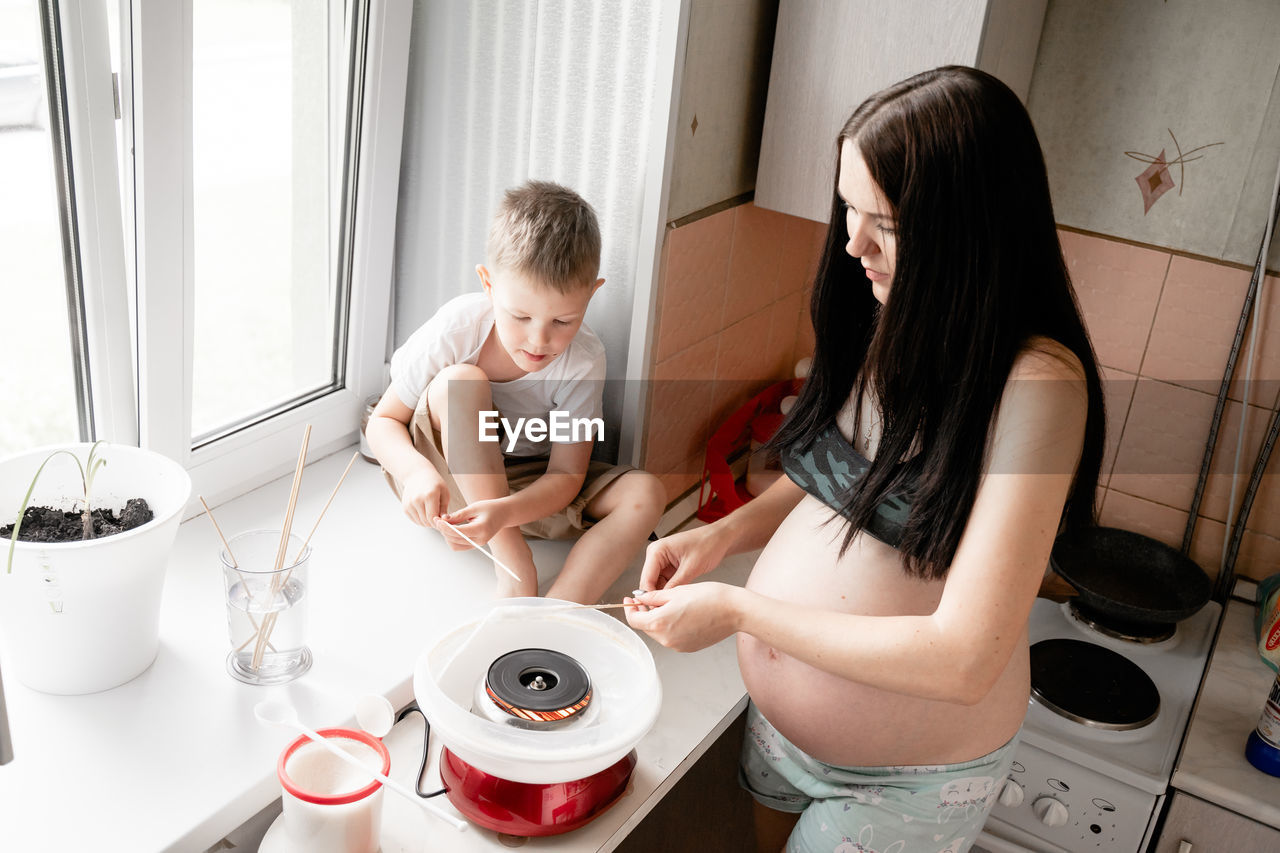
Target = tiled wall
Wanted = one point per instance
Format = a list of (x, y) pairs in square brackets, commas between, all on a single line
[(733, 318), (1162, 325)]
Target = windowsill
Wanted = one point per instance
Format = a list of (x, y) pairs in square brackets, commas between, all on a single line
[(175, 760)]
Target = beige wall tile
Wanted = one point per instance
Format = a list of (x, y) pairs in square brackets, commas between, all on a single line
[(1195, 323), (1119, 288), (759, 241), (693, 288)]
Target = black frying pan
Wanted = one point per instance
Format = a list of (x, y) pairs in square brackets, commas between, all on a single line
[(1130, 576)]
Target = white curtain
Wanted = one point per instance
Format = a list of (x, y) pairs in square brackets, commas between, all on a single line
[(505, 90)]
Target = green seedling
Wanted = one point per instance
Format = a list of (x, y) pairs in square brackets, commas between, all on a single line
[(88, 470)]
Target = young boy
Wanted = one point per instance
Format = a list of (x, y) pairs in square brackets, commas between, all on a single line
[(448, 431)]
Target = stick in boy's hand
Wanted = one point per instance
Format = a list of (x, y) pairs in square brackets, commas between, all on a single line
[(481, 520)]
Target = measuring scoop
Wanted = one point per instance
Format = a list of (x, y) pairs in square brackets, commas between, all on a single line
[(283, 714)]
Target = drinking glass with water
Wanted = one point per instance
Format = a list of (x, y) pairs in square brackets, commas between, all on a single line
[(266, 607)]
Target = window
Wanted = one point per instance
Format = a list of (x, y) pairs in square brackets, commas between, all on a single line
[(268, 115), (40, 391), (235, 255)]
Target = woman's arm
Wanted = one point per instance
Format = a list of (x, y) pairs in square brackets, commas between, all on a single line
[(682, 557), (959, 651)]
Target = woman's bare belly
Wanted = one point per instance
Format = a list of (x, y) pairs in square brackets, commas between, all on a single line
[(843, 722)]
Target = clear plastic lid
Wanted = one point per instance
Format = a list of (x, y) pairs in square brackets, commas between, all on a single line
[(626, 691)]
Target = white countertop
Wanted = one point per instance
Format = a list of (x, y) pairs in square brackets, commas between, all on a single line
[(1212, 765), (174, 760)]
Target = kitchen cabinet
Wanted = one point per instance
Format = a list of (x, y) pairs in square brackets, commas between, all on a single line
[(1194, 826), (829, 55)]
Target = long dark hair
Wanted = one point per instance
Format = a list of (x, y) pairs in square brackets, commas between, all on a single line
[(979, 274)]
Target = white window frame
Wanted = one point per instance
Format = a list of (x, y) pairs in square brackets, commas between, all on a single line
[(156, 69)]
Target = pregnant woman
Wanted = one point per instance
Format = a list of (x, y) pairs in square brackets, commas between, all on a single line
[(951, 425)]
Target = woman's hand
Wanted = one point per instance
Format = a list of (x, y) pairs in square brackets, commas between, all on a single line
[(678, 559), (690, 617), (424, 496), (481, 521)]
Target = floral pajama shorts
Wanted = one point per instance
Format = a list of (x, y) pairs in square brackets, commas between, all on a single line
[(910, 809)]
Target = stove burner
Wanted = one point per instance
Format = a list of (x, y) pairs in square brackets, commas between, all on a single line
[(1092, 685), (538, 685), (1122, 629)]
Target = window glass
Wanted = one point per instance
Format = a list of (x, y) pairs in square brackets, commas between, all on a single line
[(266, 307), (38, 387)]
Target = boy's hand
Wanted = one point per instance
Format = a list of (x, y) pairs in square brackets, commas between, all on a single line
[(424, 496), (481, 521), (678, 559)]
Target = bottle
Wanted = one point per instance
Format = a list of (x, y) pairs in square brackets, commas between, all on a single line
[(1263, 748)]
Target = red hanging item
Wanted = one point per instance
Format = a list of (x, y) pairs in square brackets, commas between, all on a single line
[(719, 494)]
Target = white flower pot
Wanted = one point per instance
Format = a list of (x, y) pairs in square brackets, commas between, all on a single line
[(80, 617)]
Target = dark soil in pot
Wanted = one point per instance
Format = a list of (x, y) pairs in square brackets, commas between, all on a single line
[(46, 524)]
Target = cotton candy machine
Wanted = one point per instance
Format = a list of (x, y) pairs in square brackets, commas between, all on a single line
[(538, 707)]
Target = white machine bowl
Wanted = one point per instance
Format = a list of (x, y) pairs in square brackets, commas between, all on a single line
[(624, 681)]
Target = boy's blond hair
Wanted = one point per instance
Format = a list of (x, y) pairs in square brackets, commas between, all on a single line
[(549, 232)]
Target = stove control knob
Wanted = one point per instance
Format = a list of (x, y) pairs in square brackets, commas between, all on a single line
[(1051, 811), (1011, 794)]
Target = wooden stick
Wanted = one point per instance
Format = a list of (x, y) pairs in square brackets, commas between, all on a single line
[(225, 544), (482, 550), (249, 596), (332, 495), (269, 623)]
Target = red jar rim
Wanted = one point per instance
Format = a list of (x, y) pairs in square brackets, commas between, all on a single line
[(332, 799)]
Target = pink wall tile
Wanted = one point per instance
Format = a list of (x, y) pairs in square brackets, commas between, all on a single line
[(1162, 444), (1162, 448), (678, 482), (782, 334), (693, 287), (804, 329), (801, 250), (1264, 517), (743, 353), (1117, 392), (1259, 556), (1218, 490), (759, 238), (1195, 323), (1266, 366), (1119, 288), (680, 407)]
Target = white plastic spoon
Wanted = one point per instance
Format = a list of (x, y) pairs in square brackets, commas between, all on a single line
[(282, 714), (374, 714)]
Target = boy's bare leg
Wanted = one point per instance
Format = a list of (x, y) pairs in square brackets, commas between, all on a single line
[(456, 397), (628, 509)]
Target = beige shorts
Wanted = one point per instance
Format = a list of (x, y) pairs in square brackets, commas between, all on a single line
[(568, 523)]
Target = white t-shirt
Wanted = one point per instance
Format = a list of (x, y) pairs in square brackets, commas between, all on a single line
[(573, 383)]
